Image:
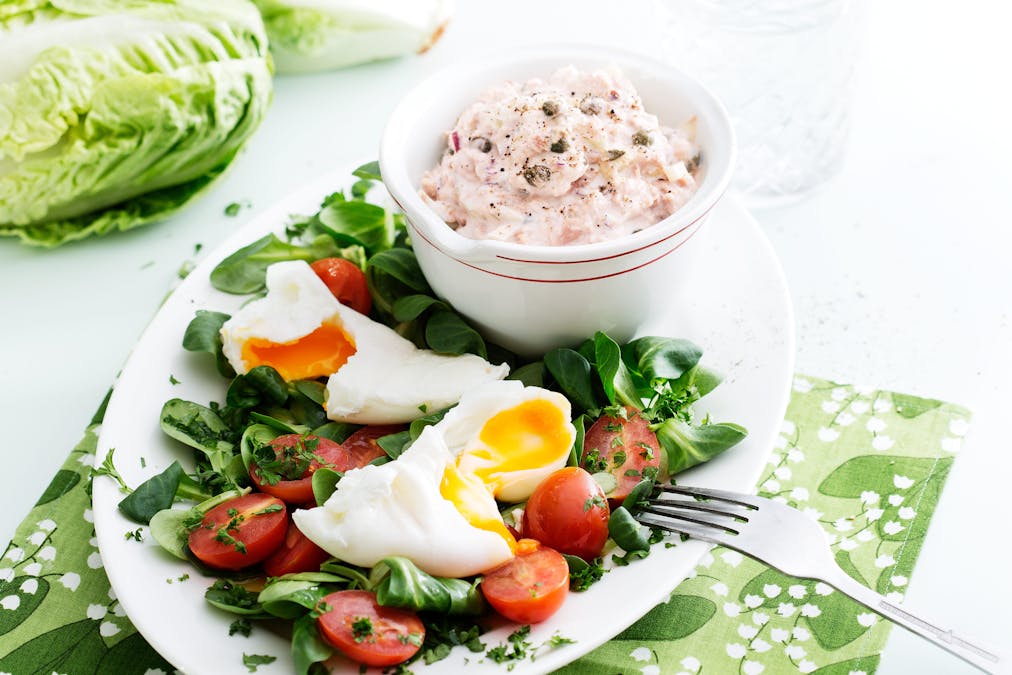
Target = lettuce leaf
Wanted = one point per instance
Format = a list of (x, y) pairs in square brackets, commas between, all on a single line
[(116, 114)]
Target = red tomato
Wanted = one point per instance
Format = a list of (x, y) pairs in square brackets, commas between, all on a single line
[(624, 446), (531, 586), (240, 532), (346, 281), (362, 447), (568, 512), (296, 554), (367, 632), (292, 449)]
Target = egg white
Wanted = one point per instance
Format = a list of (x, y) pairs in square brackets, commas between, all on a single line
[(396, 509), (296, 304), (388, 380)]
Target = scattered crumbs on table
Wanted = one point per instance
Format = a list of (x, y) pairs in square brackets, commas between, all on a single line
[(172, 379)]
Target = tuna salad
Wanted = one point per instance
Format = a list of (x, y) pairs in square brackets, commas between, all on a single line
[(571, 159)]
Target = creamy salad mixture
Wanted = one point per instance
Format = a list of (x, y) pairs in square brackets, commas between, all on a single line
[(572, 159)]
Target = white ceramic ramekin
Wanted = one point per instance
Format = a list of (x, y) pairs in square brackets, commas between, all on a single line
[(533, 298)]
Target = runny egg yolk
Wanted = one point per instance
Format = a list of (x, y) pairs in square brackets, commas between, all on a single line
[(526, 437), (471, 497), (317, 354)]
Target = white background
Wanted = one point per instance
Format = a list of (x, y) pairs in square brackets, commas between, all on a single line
[(899, 268)]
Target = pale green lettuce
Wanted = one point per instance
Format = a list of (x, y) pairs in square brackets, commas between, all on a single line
[(114, 113), (316, 35)]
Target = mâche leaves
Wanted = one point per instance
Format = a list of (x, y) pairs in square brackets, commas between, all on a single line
[(153, 495)]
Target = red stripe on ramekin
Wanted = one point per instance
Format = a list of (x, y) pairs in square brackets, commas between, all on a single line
[(559, 281), (617, 255)]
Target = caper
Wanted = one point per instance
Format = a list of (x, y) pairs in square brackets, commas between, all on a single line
[(537, 175), (550, 108), (484, 144), (642, 138), (560, 146)]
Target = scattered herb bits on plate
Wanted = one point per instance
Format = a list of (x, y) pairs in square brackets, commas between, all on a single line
[(385, 483)]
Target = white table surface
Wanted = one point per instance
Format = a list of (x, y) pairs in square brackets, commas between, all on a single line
[(899, 268)]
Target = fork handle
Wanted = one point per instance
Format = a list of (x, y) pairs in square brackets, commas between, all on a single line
[(983, 656)]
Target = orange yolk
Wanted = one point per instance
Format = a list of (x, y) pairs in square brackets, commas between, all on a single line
[(470, 496), (526, 436), (317, 354)]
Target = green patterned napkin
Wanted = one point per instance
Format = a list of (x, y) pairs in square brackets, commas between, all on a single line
[(869, 465)]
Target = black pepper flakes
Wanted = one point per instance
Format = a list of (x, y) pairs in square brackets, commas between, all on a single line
[(560, 146), (641, 138), (550, 108), (537, 175), (693, 163)]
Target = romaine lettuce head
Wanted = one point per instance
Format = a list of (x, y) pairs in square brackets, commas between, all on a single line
[(316, 35), (114, 113)]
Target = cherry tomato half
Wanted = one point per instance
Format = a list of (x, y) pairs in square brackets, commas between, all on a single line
[(367, 632), (529, 587), (362, 447), (296, 554), (295, 449), (568, 512), (624, 446), (346, 281), (240, 532)]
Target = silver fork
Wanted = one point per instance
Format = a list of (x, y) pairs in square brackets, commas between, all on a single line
[(790, 541)]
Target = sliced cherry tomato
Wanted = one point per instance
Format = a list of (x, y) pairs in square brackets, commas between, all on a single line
[(362, 447), (294, 451), (367, 632), (240, 532), (296, 554), (529, 587), (568, 512), (624, 446), (346, 281)]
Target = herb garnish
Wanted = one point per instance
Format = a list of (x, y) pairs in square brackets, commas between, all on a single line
[(361, 628), (241, 626), (253, 661)]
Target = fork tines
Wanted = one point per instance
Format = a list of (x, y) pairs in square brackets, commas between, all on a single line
[(677, 509)]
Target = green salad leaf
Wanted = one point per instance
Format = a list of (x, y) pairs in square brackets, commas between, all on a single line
[(330, 34)]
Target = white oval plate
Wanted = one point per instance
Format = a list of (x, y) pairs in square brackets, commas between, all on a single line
[(738, 310)]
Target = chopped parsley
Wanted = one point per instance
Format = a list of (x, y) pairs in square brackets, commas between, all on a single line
[(585, 577), (516, 648), (593, 462), (361, 628), (444, 633), (241, 627), (275, 464), (172, 379), (136, 535), (107, 468), (253, 661), (596, 500), (618, 459)]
